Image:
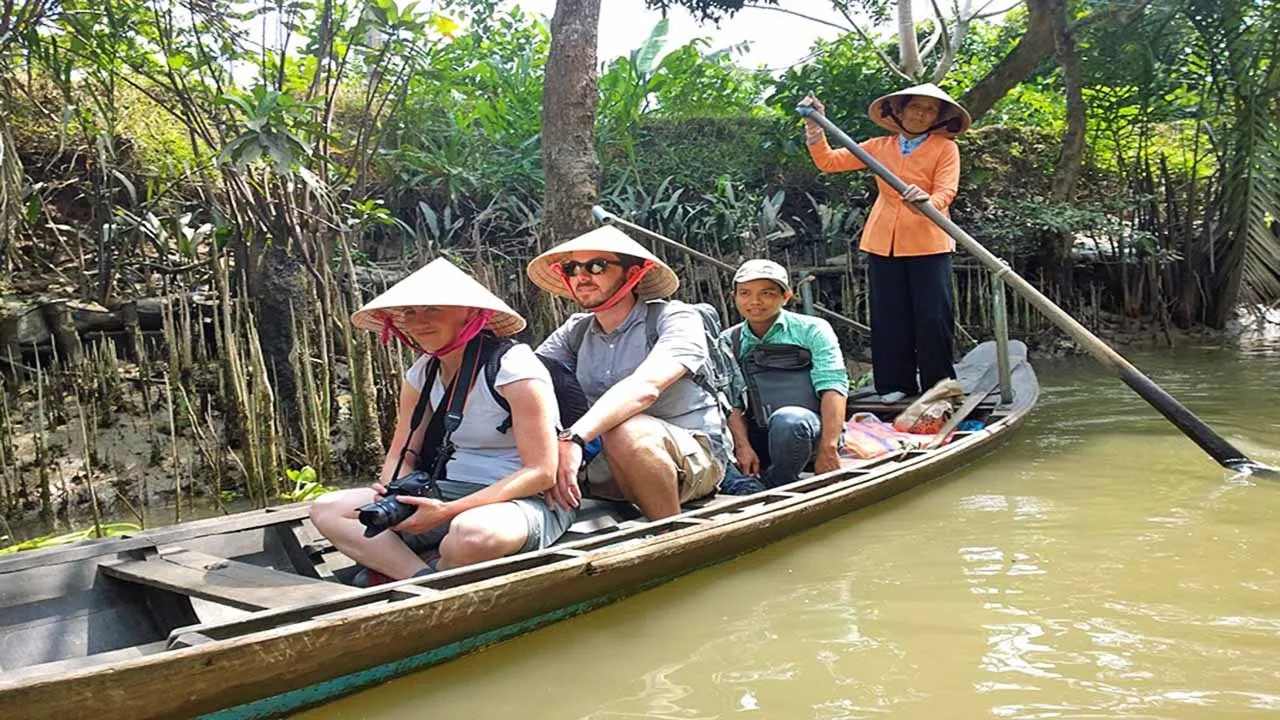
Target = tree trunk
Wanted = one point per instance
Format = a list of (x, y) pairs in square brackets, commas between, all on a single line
[(11, 182), (1067, 171), (569, 99), (908, 47), (62, 326), (365, 455), (283, 288), (1034, 45)]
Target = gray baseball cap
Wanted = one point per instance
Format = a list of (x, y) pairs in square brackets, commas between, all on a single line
[(762, 270)]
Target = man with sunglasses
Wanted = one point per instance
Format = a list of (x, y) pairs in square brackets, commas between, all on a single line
[(664, 437)]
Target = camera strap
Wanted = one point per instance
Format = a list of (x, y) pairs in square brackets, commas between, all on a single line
[(437, 449)]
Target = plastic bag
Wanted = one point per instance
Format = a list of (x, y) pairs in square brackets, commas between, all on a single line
[(930, 412), (867, 436), (928, 421)]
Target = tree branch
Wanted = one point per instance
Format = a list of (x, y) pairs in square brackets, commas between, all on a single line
[(931, 42), (811, 18), (1119, 12), (890, 64), (982, 13), (941, 31)]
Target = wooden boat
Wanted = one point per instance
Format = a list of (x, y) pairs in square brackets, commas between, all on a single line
[(241, 617)]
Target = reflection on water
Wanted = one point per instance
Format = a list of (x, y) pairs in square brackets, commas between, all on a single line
[(1098, 566)]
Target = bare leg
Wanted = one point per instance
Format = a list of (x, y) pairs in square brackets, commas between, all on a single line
[(483, 533), (642, 466), (334, 515)]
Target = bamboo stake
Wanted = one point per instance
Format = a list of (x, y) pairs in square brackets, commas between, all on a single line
[(173, 442), (8, 484), (46, 492), (88, 469), (208, 454)]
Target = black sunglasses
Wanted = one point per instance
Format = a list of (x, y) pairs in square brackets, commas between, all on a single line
[(594, 266)]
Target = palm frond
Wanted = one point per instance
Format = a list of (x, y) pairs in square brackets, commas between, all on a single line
[(1247, 232)]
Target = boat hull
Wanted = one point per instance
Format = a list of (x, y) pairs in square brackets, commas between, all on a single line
[(277, 661)]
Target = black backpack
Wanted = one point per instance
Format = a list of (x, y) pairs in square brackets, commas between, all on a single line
[(776, 375), (564, 383), (714, 377), (491, 349)]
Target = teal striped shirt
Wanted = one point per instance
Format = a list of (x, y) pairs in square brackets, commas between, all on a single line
[(815, 334)]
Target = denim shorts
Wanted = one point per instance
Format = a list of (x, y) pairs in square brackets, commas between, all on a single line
[(545, 524)]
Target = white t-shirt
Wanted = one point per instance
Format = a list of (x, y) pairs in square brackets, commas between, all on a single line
[(482, 454)]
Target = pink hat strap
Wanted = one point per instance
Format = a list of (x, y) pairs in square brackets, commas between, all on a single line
[(389, 328), (465, 335)]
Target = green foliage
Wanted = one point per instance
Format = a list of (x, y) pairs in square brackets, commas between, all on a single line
[(471, 116), (107, 530), (306, 486), (691, 82), (846, 74), (686, 82), (709, 10), (270, 122), (1035, 102), (428, 138)]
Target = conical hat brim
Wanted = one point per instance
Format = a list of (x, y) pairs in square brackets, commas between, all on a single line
[(880, 110), (439, 283), (660, 282)]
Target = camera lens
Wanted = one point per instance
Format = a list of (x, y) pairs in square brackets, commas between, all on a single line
[(383, 514)]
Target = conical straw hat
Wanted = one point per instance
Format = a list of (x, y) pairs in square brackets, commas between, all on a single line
[(660, 282), (439, 282), (883, 111)]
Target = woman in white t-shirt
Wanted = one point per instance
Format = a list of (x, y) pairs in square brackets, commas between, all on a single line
[(491, 503)]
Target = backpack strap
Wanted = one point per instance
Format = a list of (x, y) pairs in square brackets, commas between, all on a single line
[(492, 366), (455, 400), (578, 335), (735, 343), (653, 310), (420, 409)]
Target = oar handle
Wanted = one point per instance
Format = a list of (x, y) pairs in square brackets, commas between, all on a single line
[(1186, 421)]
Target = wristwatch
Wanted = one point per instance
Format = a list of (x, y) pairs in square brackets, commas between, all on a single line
[(565, 435)]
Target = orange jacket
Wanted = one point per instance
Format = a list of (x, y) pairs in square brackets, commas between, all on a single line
[(894, 228)]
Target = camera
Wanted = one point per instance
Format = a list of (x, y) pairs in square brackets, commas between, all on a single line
[(388, 512)]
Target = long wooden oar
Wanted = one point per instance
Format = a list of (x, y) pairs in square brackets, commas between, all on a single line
[(1193, 427)]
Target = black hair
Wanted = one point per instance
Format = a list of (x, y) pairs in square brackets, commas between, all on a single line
[(629, 261)]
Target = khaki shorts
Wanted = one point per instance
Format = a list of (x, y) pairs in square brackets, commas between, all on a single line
[(698, 471)]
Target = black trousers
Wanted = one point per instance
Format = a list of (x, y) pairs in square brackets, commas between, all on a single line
[(912, 321)]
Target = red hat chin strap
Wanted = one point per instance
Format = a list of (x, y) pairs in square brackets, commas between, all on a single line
[(472, 328), (389, 328), (635, 274)]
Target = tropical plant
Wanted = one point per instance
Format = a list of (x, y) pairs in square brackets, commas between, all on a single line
[(306, 486), (100, 531)]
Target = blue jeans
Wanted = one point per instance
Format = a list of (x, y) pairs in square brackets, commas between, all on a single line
[(785, 449)]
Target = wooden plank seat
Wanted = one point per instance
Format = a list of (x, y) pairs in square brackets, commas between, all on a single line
[(238, 584)]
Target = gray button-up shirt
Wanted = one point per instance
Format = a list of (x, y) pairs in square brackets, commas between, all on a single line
[(606, 358)]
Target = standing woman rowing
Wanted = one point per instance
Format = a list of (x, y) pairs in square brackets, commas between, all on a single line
[(908, 257)]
